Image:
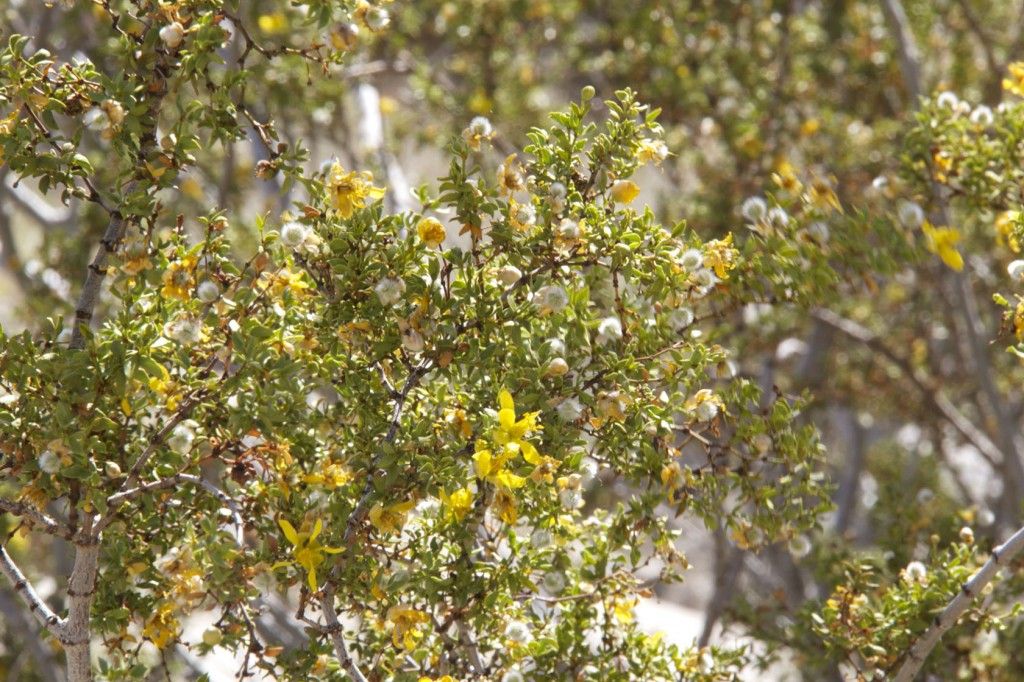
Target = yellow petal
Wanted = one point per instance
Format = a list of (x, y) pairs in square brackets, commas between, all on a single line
[(482, 463), (952, 258), (509, 480), (505, 400), (624, 191), (289, 531), (506, 418), (530, 453), (312, 579), (317, 527)]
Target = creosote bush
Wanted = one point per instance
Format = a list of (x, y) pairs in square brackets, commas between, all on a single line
[(266, 403)]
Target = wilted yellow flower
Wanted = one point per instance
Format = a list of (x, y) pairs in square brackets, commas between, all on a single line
[(704, 404), (1018, 321), (671, 476), (162, 627), (135, 256), (405, 622), (354, 332), (7, 125), (510, 176), (1015, 83), (306, 551), (821, 195), (521, 217), (545, 470), (178, 280), (459, 421), (477, 132), (431, 232), (720, 256), (390, 519), (942, 242), (505, 505), (349, 190), (344, 36), (624, 191)]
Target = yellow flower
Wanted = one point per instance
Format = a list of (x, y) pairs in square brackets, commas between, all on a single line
[(276, 283), (306, 551), (178, 280), (1015, 83), (332, 476), (446, 678), (162, 627), (622, 609), (810, 127), (349, 190), (720, 256), (651, 151), (1018, 321), (458, 503), (785, 177), (164, 386), (492, 468), (943, 165), (624, 191), (431, 232), (273, 23), (942, 242), (511, 434), (405, 622), (390, 519), (1004, 229)]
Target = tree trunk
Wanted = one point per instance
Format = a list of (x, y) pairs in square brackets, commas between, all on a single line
[(81, 588)]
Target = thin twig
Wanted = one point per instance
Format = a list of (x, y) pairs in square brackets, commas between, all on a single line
[(28, 595), (45, 522), (944, 621), (120, 498)]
